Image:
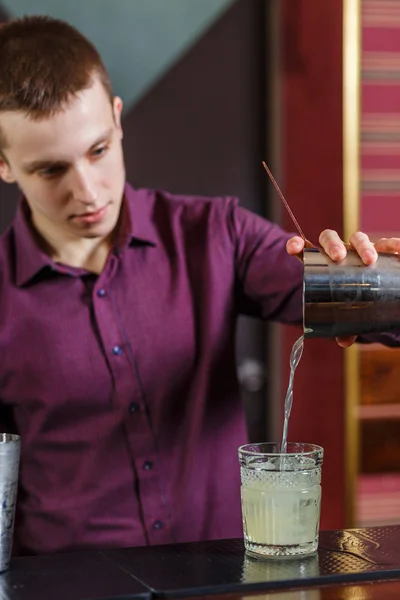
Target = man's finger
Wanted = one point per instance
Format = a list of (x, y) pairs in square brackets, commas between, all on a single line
[(332, 244), (391, 245), (364, 247), (295, 245), (345, 342)]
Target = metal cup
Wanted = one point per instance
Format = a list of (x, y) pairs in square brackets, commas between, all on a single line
[(347, 297), (10, 449)]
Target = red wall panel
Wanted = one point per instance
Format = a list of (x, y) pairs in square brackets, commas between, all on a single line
[(311, 38)]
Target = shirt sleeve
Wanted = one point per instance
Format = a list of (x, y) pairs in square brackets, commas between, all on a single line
[(387, 339), (269, 281)]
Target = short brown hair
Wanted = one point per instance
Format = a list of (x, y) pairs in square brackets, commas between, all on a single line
[(44, 62)]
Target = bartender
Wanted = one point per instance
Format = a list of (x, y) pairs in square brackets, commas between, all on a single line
[(118, 309)]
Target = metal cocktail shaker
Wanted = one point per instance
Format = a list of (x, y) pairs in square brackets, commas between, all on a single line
[(10, 449), (347, 297)]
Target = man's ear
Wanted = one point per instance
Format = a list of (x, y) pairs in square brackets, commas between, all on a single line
[(117, 110), (5, 170)]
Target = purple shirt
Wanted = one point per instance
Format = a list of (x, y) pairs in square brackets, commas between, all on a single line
[(123, 386)]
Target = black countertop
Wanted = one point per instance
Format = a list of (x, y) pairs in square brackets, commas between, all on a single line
[(193, 569), (75, 576)]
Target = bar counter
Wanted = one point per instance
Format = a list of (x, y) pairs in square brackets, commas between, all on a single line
[(356, 564)]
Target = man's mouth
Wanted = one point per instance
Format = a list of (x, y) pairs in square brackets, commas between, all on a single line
[(92, 217)]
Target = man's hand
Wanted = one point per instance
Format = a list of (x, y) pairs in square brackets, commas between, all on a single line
[(337, 250)]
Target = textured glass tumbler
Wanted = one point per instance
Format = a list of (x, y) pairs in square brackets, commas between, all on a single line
[(10, 448), (281, 499)]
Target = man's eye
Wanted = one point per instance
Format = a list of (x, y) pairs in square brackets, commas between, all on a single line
[(99, 151), (51, 171)]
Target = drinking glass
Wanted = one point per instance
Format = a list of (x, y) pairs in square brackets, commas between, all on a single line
[(281, 498)]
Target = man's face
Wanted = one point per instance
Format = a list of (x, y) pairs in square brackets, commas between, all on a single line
[(70, 166)]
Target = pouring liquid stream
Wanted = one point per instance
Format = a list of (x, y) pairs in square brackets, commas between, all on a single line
[(295, 357), (298, 346)]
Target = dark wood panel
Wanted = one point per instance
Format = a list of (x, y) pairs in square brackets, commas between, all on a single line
[(379, 376), (380, 446), (379, 410)]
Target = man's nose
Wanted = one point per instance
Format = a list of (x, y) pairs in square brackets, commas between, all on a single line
[(83, 186)]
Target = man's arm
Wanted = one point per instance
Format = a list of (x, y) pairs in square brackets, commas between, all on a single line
[(268, 280)]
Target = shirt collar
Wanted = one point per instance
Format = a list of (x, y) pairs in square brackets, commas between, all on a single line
[(30, 258), (136, 226), (140, 222)]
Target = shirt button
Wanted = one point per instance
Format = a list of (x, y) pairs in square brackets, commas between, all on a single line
[(158, 525), (117, 350), (134, 407), (101, 293), (147, 465)]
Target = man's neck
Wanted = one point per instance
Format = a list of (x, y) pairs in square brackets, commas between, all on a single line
[(89, 254), (83, 253), (80, 252)]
